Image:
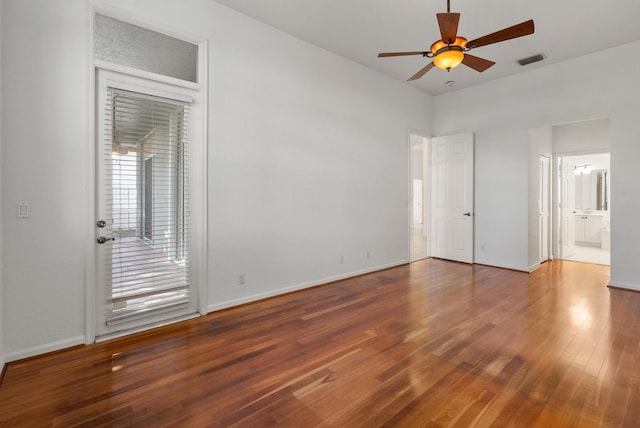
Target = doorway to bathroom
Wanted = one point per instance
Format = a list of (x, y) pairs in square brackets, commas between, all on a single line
[(585, 209)]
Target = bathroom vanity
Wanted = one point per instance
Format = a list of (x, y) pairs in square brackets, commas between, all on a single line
[(588, 229)]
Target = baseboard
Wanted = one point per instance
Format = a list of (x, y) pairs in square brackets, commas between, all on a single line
[(49, 347), (4, 368), (534, 267), (272, 293), (621, 285), (503, 266)]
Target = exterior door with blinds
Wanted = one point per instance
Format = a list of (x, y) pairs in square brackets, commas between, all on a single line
[(142, 229)]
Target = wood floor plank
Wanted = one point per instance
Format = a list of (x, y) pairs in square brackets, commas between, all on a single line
[(433, 343)]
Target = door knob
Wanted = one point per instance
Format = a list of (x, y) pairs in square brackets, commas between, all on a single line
[(103, 239), (101, 223), (467, 214)]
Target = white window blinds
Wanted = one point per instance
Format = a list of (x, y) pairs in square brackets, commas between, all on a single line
[(146, 191)]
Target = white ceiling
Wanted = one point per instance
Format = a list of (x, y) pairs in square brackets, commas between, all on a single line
[(360, 29)]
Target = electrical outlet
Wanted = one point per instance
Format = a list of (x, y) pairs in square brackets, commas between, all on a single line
[(341, 259), (241, 279), (23, 210)]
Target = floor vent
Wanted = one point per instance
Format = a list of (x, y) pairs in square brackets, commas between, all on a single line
[(531, 59)]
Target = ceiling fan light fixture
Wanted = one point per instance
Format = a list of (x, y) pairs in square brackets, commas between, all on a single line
[(447, 56), (451, 50), (448, 59)]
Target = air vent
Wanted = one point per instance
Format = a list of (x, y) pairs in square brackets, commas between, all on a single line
[(531, 59)]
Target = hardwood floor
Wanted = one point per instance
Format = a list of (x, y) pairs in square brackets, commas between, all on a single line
[(430, 344)]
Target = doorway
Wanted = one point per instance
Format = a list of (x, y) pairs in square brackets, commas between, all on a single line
[(584, 188), (143, 251), (418, 197)]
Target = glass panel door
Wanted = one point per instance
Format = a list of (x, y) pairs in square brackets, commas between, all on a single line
[(143, 243)]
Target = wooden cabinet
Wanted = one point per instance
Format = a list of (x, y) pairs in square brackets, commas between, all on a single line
[(588, 229)]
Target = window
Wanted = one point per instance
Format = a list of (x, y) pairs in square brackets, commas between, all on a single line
[(119, 42)]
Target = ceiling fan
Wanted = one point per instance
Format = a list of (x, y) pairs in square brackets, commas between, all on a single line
[(451, 50)]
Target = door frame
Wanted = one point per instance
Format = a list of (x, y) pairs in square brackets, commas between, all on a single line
[(199, 155), (557, 196), (545, 197)]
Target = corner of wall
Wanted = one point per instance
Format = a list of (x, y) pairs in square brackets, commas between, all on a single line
[(2, 359), (625, 151)]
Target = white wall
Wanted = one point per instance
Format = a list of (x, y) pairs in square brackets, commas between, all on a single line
[(1, 240), (44, 158), (501, 198), (595, 160), (501, 113), (308, 162), (591, 136), (625, 203)]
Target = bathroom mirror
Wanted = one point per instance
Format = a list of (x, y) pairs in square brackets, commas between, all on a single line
[(592, 191)]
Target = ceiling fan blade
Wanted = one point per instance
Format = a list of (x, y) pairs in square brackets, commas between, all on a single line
[(422, 72), (448, 23), (387, 54), (518, 30), (477, 63)]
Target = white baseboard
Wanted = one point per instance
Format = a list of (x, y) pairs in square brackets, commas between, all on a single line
[(43, 349), (632, 287), (534, 267), (271, 293), (503, 266)]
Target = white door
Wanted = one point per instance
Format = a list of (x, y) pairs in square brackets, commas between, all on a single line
[(543, 205), (452, 197), (143, 249), (567, 208)]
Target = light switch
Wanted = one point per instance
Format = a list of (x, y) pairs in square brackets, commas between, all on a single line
[(24, 210)]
